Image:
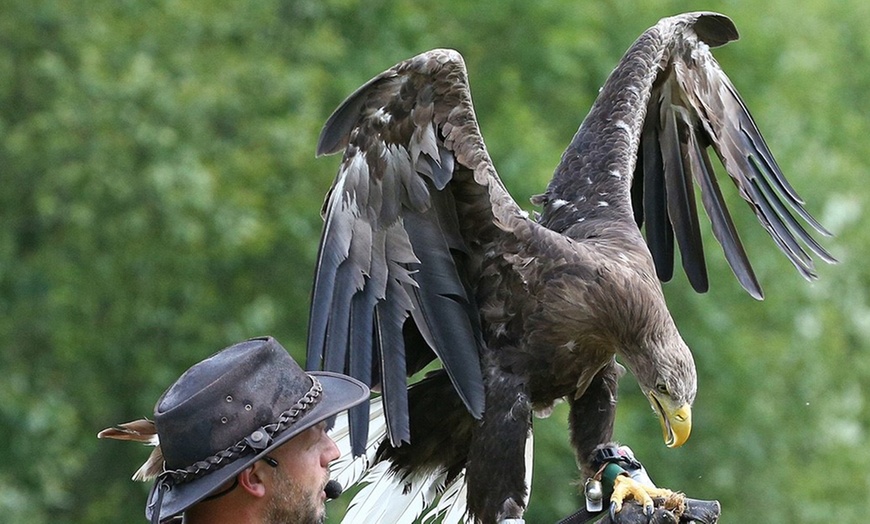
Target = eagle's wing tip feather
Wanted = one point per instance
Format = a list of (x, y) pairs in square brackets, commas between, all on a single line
[(714, 29)]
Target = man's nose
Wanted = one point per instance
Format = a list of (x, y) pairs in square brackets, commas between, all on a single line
[(331, 453)]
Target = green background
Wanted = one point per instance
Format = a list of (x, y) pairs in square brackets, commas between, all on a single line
[(160, 200)]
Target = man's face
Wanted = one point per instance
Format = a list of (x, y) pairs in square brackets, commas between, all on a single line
[(297, 484)]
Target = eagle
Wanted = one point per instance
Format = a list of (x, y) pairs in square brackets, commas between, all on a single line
[(426, 262)]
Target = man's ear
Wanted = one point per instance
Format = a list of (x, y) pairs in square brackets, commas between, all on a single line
[(251, 480)]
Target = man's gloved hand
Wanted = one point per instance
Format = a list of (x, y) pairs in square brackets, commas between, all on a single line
[(698, 511), (622, 485)]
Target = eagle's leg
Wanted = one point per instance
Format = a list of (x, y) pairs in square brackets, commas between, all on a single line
[(496, 468), (591, 423), (592, 415)]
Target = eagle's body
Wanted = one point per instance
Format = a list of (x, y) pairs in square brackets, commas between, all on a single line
[(424, 254)]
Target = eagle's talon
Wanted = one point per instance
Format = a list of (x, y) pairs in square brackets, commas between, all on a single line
[(625, 487)]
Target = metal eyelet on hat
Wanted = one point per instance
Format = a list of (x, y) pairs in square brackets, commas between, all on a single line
[(259, 439), (248, 407), (229, 398), (223, 420)]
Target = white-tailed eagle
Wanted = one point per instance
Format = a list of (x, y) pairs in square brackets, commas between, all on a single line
[(425, 255)]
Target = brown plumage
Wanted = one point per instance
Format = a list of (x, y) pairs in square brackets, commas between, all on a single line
[(424, 254)]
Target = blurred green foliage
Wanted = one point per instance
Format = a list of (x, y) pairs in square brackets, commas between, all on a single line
[(160, 200)]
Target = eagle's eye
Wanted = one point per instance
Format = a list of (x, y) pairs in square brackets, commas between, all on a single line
[(662, 388)]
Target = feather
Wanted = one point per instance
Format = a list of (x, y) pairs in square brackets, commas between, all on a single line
[(336, 130), (390, 347), (151, 468), (143, 431), (333, 250), (389, 497), (359, 363), (723, 225), (659, 233), (451, 507), (446, 311), (681, 198), (350, 467)]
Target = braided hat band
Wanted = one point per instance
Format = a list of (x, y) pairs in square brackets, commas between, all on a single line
[(258, 440)]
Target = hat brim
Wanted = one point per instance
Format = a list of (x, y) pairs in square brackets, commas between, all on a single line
[(340, 392)]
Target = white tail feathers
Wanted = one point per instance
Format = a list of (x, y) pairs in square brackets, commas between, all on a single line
[(388, 498), (423, 497), (451, 507)]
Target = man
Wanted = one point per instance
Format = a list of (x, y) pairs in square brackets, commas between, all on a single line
[(242, 439)]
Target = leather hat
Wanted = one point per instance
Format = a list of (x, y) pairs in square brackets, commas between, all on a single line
[(228, 411)]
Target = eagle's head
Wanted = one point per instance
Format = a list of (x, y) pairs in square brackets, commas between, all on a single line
[(628, 315), (669, 381), (665, 370)]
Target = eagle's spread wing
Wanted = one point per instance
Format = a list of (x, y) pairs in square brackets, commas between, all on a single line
[(391, 235), (692, 106)]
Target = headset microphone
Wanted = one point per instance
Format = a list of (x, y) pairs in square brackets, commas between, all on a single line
[(332, 489)]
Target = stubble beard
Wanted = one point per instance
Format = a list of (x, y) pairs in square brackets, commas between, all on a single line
[(290, 504)]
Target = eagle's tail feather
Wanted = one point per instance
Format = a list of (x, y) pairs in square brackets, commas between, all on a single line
[(421, 481), (389, 496)]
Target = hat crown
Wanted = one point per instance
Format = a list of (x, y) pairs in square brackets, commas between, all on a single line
[(222, 400)]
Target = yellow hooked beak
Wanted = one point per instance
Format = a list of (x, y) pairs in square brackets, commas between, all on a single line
[(676, 421)]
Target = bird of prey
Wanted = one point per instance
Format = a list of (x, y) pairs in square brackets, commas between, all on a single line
[(424, 254)]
